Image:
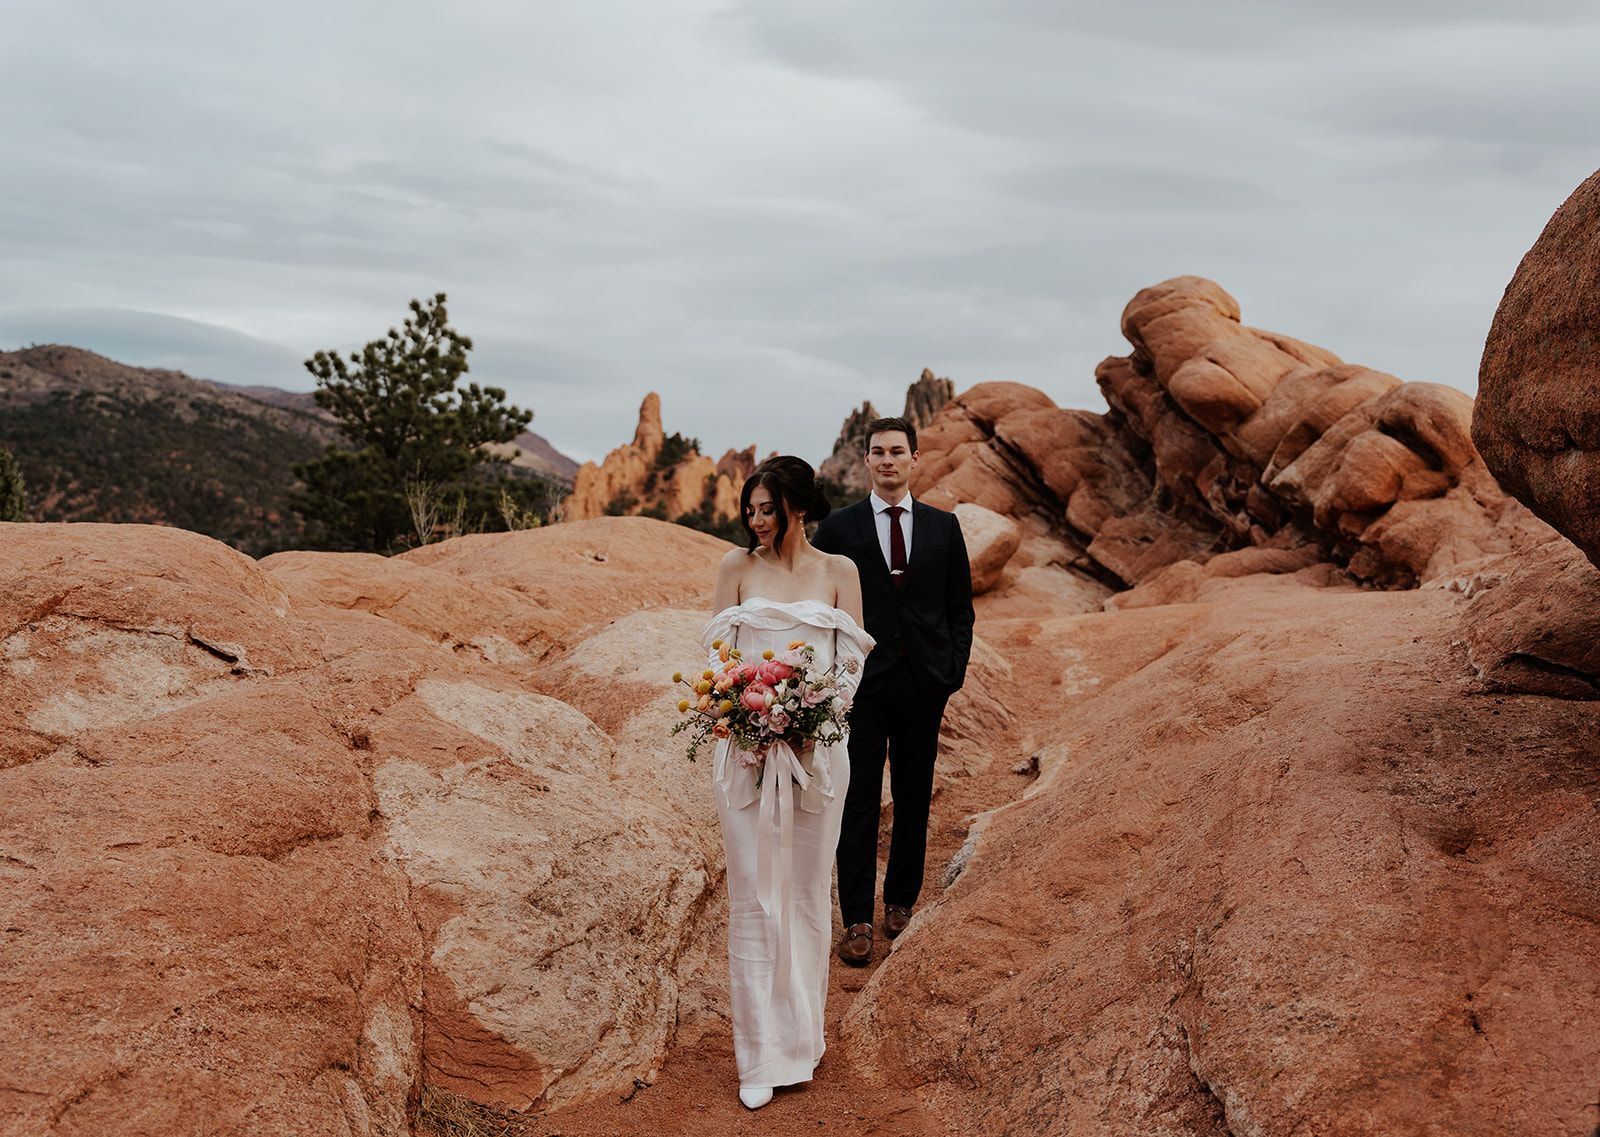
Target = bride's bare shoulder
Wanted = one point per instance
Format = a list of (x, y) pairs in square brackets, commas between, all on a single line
[(841, 567)]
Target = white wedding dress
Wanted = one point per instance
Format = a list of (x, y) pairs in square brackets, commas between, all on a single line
[(780, 839)]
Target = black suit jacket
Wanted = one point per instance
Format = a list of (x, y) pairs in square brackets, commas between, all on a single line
[(931, 613)]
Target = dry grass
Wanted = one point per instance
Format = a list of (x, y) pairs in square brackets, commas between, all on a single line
[(444, 1114)]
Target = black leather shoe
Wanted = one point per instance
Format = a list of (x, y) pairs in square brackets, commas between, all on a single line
[(895, 919), (856, 950)]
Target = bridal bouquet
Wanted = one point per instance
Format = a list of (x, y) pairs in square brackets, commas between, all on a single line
[(783, 698)]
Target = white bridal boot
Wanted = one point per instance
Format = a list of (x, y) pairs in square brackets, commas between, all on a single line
[(754, 1097)]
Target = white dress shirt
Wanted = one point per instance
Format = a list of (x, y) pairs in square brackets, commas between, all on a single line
[(882, 518)]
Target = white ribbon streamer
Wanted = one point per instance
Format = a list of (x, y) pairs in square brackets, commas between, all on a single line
[(776, 826)]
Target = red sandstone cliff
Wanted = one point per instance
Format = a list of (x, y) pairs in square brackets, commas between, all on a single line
[(635, 478)]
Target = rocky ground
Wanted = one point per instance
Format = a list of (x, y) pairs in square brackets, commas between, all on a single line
[(282, 844)]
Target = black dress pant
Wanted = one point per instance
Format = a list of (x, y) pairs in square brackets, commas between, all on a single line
[(898, 722)]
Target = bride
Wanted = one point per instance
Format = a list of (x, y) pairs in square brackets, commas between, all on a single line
[(780, 836)]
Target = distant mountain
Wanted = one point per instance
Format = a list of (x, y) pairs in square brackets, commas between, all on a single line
[(101, 441), (529, 451)]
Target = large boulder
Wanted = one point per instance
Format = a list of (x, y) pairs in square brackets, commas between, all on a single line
[(1221, 438), (1537, 420), (282, 842), (991, 539)]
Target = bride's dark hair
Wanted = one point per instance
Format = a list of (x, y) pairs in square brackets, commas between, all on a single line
[(793, 485)]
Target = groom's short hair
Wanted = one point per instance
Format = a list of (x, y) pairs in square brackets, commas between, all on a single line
[(903, 425)]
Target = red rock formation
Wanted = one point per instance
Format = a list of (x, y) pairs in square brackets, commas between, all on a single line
[(278, 842), (1538, 413), (1287, 869), (633, 480), (1222, 438)]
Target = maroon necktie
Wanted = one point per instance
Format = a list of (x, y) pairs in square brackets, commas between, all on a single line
[(897, 545)]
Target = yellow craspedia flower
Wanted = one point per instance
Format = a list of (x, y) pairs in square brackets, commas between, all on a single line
[(677, 677), (727, 706), (716, 643), (683, 706), (766, 655), (708, 674)]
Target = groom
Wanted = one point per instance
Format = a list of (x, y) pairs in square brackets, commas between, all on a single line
[(916, 589)]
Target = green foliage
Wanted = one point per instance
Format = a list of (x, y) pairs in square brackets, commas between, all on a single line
[(706, 520), (13, 497), (621, 505), (194, 464), (417, 441), (674, 449)]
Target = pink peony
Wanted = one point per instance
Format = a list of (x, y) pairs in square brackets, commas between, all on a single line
[(755, 696), (772, 672)]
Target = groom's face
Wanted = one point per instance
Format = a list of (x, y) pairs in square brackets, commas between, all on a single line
[(890, 461)]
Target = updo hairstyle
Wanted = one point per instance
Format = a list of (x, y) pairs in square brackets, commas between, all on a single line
[(793, 485)]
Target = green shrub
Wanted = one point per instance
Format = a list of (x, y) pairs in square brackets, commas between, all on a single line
[(13, 496)]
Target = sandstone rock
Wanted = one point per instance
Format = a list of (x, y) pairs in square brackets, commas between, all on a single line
[(582, 574), (278, 844), (1538, 631), (844, 467), (556, 903), (202, 934), (1537, 419), (637, 477), (1276, 844), (990, 539), (490, 621), (594, 487), (1183, 582), (1219, 438), (1354, 386), (926, 398)]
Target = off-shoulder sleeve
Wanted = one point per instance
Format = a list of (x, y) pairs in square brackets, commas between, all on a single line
[(851, 645)]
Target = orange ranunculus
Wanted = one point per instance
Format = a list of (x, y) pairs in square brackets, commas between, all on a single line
[(721, 730)]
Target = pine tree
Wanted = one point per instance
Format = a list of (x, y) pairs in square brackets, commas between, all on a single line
[(13, 499), (420, 445)]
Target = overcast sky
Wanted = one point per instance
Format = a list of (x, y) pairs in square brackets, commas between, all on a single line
[(769, 211)]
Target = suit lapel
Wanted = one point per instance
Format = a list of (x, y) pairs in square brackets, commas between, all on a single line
[(922, 522)]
